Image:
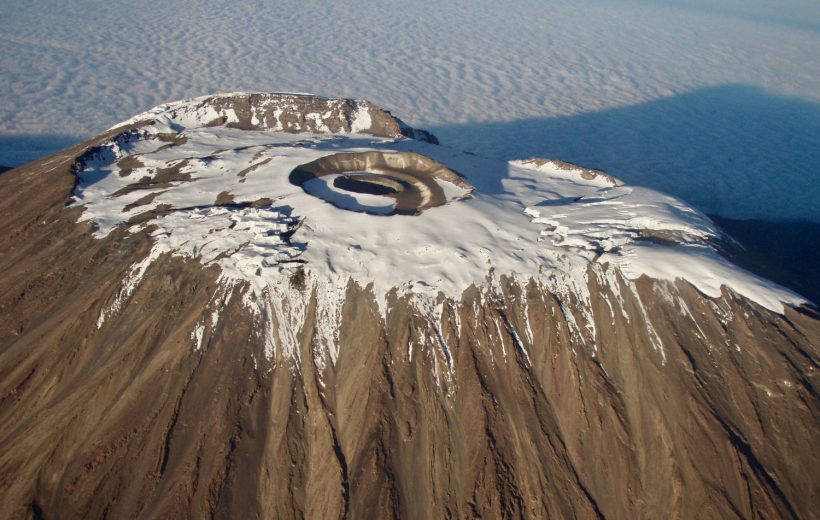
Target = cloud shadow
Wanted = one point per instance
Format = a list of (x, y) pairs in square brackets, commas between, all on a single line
[(20, 149), (734, 150)]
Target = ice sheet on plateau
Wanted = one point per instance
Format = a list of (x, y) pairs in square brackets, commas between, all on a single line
[(527, 220)]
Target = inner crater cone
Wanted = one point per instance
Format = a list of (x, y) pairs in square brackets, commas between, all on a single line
[(412, 181)]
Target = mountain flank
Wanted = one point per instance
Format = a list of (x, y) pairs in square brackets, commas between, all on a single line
[(186, 333)]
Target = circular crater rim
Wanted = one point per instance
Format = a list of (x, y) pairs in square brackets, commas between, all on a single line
[(381, 183)]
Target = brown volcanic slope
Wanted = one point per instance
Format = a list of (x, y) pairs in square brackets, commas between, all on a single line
[(128, 421)]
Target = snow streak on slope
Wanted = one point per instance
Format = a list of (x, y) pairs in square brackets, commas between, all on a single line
[(75, 68), (222, 196)]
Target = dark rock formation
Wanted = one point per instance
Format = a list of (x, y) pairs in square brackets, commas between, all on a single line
[(297, 113)]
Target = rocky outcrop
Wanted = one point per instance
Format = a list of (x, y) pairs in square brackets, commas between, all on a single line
[(293, 113), (504, 406)]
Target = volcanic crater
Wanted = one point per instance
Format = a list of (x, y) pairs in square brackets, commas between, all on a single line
[(381, 183)]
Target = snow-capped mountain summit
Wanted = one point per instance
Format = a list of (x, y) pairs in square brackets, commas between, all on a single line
[(280, 305)]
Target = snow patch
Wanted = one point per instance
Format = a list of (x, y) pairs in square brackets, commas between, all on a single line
[(130, 283)]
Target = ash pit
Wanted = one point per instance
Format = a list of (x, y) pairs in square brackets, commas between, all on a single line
[(366, 182), (381, 183)]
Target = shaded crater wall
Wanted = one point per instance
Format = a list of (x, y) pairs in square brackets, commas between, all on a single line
[(414, 187)]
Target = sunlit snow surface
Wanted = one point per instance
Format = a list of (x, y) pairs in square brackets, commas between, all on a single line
[(532, 220), (685, 96)]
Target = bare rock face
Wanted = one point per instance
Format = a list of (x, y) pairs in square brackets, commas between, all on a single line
[(292, 113), (170, 395), (573, 169)]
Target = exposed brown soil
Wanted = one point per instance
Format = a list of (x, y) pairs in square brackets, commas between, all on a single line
[(224, 198), (164, 178), (143, 201), (244, 172), (128, 164)]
